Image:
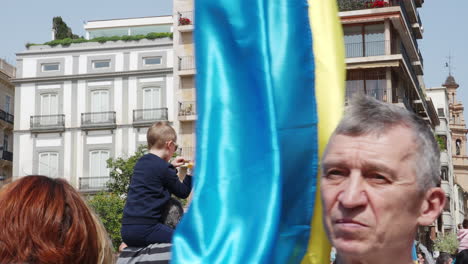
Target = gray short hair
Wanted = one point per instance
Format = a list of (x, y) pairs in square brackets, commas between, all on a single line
[(366, 115)]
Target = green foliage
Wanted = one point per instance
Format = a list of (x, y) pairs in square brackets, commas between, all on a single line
[(109, 208), (61, 30), (348, 5), (442, 142), (68, 41), (446, 243), (121, 171)]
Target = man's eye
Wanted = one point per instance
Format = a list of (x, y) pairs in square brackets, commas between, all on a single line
[(375, 177), (335, 173)]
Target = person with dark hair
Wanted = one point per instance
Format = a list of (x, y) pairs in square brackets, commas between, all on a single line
[(45, 220), (380, 172), (444, 258), (462, 236)]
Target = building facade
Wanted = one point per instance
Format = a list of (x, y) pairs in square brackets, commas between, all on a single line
[(452, 214), (458, 144), (7, 94), (382, 54), (81, 104), (184, 75)]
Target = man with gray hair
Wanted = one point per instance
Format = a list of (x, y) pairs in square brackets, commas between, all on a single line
[(380, 173)]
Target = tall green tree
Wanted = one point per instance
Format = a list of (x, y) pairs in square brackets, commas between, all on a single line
[(61, 30), (121, 171)]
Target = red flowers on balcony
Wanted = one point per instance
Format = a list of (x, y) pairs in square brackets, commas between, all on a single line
[(377, 4), (184, 21)]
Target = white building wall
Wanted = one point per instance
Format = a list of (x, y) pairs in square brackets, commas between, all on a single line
[(74, 141), (27, 104), (25, 163)]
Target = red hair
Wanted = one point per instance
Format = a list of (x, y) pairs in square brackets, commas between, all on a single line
[(45, 220)]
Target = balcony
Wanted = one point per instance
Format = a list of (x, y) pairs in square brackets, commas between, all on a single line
[(446, 187), (146, 117), (447, 220), (187, 153), (395, 10), (93, 184), (186, 66), (47, 123), (98, 120), (366, 49), (7, 155), (9, 118), (185, 21), (378, 93), (187, 111)]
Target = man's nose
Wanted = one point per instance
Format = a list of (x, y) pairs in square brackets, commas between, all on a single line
[(353, 194)]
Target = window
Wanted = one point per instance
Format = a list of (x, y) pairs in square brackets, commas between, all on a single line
[(7, 104), (49, 109), (151, 60), (100, 106), (440, 112), (47, 67), (370, 82), (152, 101), (447, 205), (98, 163), (101, 64), (364, 40), (444, 173), (5, 142), (48, 164)]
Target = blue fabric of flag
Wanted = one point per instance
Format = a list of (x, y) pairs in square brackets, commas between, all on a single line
[(256, 153)]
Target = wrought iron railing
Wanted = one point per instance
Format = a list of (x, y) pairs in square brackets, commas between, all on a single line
[(6, 117), (93, 183), (149, 115), (98, 119), (7, 155), (185, 18), (187, 108), (47, 122), (186, 63), (366, 49)]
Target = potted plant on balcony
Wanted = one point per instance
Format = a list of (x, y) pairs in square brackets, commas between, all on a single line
[(377, 4), (184, 21)]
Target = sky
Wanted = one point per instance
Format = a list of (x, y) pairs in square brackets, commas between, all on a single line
[(23, 21)]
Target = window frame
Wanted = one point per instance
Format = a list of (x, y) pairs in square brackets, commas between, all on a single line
[(48, 64)]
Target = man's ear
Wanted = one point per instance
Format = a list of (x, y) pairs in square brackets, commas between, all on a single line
[(432, 206)]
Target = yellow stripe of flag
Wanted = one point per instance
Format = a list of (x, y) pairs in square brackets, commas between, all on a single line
[(330, 75)]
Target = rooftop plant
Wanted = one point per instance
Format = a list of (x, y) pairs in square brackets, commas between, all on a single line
[(68, 41)]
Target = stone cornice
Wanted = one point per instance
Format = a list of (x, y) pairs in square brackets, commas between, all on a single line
[(72, 77)]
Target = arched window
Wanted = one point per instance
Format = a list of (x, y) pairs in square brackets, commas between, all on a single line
[(458, 146)]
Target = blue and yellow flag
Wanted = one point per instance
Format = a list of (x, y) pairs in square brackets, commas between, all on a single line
[(260, 92)]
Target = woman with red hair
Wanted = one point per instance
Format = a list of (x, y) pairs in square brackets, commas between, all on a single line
[(44, 220)]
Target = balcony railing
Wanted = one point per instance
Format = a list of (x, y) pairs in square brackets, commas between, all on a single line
[(47, 123), (185, 18), (7, 155), (7, 117), (187, 108), (149, 116), (366, 49), (187, 153), (378, 93), (186, 63), (98, 120), (90, 184), (349, 5)]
